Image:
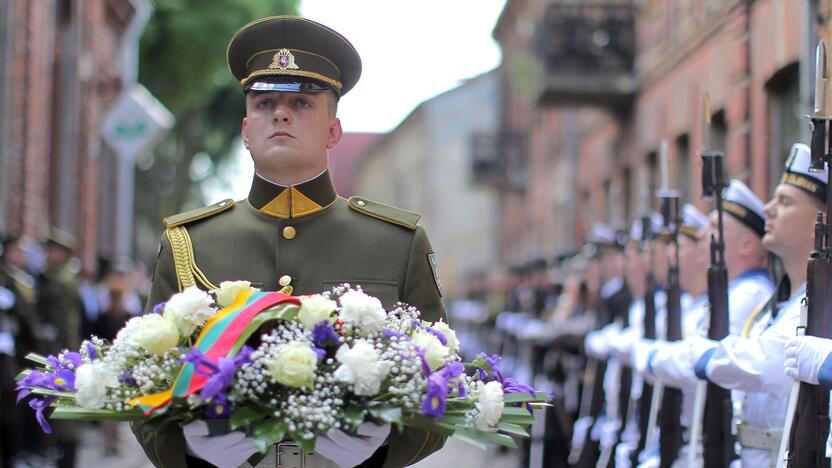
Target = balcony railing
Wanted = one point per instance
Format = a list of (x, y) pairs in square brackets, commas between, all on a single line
[(499, 159), (588, 52)]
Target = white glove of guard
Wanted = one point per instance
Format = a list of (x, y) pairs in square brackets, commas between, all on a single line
[(346, 450), (6, 299), (227, 450), (804, 357)]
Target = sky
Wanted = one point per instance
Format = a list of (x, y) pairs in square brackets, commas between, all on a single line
[(411, 51)]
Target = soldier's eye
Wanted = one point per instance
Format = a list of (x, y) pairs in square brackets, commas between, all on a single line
[(303, 102), (264, 103)]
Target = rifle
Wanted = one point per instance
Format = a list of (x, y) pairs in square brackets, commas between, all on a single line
[(592, 395), (809, 429), (717, 440), (670, 434), (649, 333)]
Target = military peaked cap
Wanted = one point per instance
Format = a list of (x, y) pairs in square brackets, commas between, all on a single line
[(278, 52)]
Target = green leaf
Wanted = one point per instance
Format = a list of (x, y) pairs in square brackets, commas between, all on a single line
[(387, 414), (22, 375), (524, 396), (268, 433), (307, 445), (56, 393), (84, 414), (471, 441), (519, 416), (37, 358), (513, 429), (428, 424), (354, 416), (245, 416), (494, 437)]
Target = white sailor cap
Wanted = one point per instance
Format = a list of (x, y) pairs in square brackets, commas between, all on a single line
[(740, 202), (692, 221), (604, 235), (637, 231), (797, 172)]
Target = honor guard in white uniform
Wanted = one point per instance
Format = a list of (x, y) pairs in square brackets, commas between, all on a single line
[(754, 362)]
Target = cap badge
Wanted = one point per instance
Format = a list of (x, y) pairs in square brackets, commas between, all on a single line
[(283, 60), (791, 157)]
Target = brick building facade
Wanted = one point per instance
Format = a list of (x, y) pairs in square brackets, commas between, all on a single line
[(594, 87), (62, 64)]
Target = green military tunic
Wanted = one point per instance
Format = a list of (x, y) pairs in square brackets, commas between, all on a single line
[(313, 239)]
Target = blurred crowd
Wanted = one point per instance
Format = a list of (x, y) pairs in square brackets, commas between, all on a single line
[(50, 302)]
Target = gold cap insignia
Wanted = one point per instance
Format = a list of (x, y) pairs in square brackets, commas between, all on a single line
[(283, 60)]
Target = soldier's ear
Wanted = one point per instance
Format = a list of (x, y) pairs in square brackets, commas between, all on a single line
[(243, 132), (335, 132)]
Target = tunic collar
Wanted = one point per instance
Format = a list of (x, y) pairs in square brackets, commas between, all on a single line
[(294, 201)]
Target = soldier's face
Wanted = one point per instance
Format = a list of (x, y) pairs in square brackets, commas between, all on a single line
[(290, 133), (791, 217)]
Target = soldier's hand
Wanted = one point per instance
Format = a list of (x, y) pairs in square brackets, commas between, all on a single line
[(227, 450), (346, 450), (804, 357)]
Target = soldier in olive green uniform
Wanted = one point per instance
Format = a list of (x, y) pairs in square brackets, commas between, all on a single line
[(293, 231), (60, 308), (17, 338)]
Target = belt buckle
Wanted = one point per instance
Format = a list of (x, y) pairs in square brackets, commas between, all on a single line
[(289, 455)]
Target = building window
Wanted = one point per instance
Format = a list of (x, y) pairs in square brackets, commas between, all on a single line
[(785, 119), (683, 172), (63, 186), (652, 179)]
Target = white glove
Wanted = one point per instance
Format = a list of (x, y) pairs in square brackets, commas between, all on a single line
[(346, 450), (6, 299), (804, 357), (227, 450)]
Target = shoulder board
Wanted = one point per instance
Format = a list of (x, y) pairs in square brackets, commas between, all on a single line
[(197, 214), (391, 214)]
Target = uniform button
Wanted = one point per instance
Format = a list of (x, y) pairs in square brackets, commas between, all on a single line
[(360, 203), (289, 233), (284, 280)]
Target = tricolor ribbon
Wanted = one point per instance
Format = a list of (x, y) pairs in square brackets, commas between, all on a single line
[(216, 340)]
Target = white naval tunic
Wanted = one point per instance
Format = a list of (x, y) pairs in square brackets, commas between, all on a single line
[(755, 365)]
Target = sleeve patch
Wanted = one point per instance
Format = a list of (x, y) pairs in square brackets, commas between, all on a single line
[(432, 263)]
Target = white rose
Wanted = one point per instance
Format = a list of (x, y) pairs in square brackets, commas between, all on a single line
[(294, 365), (362, 311), (155, 334), (91, 384), (228, 291), (435, 351), (127, 331), (189, 309), (490, 405), (361, 367), (449, 334), (315, 309)]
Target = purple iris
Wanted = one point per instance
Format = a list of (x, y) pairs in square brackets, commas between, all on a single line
[(392, 334), (323, 334), (220, 374), (510, 385), (63, 380), (159, 308), (421, 353), (442, 339), (127, 378), (218, 408), (320, 352), (92, 351), (439, 386), (39, 405)]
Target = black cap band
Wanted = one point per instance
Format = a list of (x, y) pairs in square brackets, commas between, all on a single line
[(746, 216)]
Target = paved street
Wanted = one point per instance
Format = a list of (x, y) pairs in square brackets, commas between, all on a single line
[(455, 454)]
